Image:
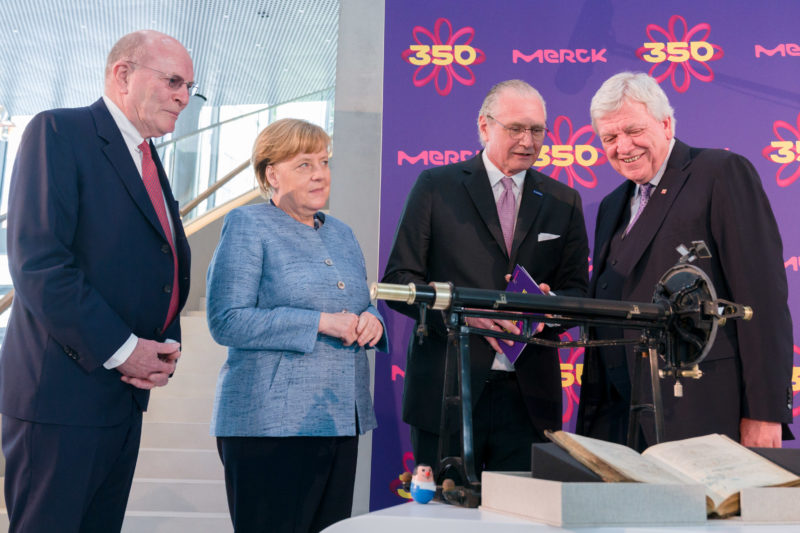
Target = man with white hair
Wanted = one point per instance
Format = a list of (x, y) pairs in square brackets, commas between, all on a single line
[(675, 194), (100, 265)]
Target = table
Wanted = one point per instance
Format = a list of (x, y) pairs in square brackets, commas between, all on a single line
[(436, 517)]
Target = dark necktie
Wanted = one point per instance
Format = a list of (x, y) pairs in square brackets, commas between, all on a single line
[(153, 186), (507, 210), (646, 190)]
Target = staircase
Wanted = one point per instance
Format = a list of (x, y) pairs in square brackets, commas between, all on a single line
[(179, 486)]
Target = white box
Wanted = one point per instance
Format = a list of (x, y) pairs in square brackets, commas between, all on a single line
[(770, 504), (592, 504)]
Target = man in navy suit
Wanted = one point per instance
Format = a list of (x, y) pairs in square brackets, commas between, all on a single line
[(675, 194), (100, 266), (453, 229)]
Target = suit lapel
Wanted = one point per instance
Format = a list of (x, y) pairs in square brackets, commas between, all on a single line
[(529, 207), (616, 206), (120, 158), (651, 219), (476, 182)]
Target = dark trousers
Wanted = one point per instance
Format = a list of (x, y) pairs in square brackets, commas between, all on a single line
[(288, 484), (502, 431), (68, 478)]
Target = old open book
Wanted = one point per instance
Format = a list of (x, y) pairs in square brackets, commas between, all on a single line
[(722, 465)]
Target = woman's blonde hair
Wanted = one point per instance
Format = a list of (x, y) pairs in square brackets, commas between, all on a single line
[(282, 140)]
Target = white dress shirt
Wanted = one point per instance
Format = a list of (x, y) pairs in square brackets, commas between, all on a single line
[(501, 362), (637, 194), (132, 139)]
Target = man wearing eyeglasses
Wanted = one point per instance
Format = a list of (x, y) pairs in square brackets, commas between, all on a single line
[(470, 223), (100, 265)]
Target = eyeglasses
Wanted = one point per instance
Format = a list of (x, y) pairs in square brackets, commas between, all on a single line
[(174, 82), (516, 132)]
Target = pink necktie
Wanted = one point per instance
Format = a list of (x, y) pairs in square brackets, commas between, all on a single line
[(646, 191), (153, 186), (507, 210)]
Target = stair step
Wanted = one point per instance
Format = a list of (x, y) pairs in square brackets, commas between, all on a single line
[(178, 495), (172, 463), (189, 383), (164, 408), (174, 522), (177, 435), (164, 522)]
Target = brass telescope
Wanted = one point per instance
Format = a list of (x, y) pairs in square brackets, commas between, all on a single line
[(678, 326)]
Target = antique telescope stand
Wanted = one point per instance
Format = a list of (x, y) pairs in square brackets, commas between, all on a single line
[(679, 325)]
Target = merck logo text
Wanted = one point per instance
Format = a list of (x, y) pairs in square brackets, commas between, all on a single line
[(580, 55), (783, 50), (434, 157)]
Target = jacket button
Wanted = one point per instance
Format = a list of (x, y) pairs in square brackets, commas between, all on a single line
[(168, 288), (604, 285), (158, 332), (328, 262), (165, 248), (340, 284), (613, 261)]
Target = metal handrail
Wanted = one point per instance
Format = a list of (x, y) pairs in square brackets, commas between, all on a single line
[(213, 188), (5, 301), (218, 124)]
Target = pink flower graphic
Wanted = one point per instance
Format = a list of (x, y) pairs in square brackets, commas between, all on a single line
[(796, 410), (669, 68), (571, 393), (792, 136), (443, 75), (395, 486), (572, 138)]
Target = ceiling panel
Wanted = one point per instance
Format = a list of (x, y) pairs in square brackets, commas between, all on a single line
[(52, 53)]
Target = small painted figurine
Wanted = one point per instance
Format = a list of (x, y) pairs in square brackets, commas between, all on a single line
[(422, 486)]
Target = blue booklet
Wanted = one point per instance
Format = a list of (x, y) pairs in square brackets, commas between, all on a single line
[(523, 283)]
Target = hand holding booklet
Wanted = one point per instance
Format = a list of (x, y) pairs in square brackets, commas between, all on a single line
[(521, 282), (719, 463)]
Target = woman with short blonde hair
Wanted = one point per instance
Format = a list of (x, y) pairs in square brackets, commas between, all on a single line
[(287, 294)]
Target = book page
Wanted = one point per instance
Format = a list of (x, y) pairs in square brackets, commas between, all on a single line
[(721, 464), (624, 460)]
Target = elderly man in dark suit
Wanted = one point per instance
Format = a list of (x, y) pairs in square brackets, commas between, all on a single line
[(470, 223), (675, 194), (100, 265)]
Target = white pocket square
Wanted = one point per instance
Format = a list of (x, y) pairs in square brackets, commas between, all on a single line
[(548, 236)]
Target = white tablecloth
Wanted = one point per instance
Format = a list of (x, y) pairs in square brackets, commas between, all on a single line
[(440, 518)]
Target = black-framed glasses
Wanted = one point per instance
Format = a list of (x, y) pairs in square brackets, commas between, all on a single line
[(516, 132), (175, 82)]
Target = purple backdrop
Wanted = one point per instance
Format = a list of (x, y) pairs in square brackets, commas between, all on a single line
[(730, 70)]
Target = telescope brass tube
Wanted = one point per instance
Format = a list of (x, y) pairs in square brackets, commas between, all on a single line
[(393, 292), (443, 296)]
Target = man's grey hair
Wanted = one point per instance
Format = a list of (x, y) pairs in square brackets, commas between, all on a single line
[(520, 87), (631, 86)]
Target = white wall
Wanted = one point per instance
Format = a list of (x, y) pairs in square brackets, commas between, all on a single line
[(356, 162)]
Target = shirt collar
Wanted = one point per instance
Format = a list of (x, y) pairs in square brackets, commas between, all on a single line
[(319, 216), (495, 175), (130, 134), (660, 174)]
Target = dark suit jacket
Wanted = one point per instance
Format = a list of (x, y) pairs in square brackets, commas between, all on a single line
[(715, 196), (450, 231), (90, 265)]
